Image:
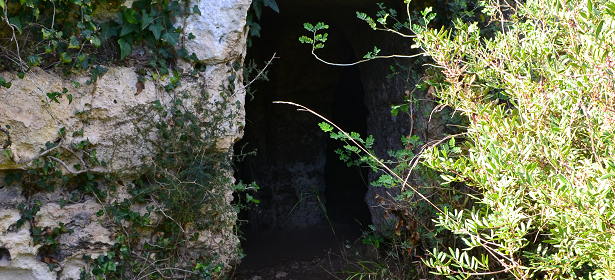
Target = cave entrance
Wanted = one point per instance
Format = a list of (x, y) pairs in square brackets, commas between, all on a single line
[(346, 186), (295, 165)]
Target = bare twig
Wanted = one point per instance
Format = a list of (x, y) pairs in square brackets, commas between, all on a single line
[(74, 172), (396, 32), (74, 154), (484, 243), (169, 217), (261, 72), (158, 269), (39, 155), (364, 60)]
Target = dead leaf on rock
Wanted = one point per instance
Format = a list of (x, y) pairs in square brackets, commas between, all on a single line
[(140, 86)]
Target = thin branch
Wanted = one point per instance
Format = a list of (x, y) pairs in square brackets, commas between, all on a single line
[(428, 146), (39, 155), (260, 72), (14, 37), (74, 154), (396, 32), (303, 108), (158, 269), (66, 166), (169, 217), (365, 60)]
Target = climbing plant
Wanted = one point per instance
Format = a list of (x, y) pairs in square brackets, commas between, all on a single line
[(186, 173), (76, 35), (254, 16), (183, 185)]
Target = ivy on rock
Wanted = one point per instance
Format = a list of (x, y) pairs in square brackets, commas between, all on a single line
[(75, 35)]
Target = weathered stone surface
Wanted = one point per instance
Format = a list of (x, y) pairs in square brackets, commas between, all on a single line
[(107, 120), (26, 259), (220, 30), (109, 114)]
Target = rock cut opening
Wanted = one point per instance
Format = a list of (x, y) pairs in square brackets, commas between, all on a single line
[(5, 257), (296, 166), (310, 201)]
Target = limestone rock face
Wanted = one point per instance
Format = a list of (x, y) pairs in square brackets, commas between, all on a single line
[(111, 115), (220, 28)]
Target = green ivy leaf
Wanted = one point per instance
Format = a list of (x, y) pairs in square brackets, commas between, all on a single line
[(272, 4), (73, 43), (257, 6), (182, 52), (171, 38), (87, 33), (156, 29), (2, 4), (158, 105), (173, 6), (16, 22), (125, 48), (96, 42), (128, 28), (83, 61), (195, 9), (46, 33), (107, 31), (193, 57), (130, 16), (146, 20), (65, 58), (34, 60), (255, 29)]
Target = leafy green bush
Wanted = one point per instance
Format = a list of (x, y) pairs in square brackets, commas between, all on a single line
[(539, 148), (537, 155)]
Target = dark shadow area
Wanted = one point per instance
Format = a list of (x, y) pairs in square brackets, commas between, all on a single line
[(295, 165), (5, 257), (346, 185)]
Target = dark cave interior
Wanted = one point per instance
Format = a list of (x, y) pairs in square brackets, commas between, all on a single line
[(295, 166), (346, 185)]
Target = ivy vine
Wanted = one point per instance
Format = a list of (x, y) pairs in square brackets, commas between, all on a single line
[(77, 35)]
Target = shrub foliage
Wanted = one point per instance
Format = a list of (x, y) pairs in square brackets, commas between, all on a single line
[(534, 82), (539, 95)]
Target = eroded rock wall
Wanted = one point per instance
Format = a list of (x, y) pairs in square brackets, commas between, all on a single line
[(111, 114)]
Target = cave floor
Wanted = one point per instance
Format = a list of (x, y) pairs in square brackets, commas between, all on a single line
[(318, 253)]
